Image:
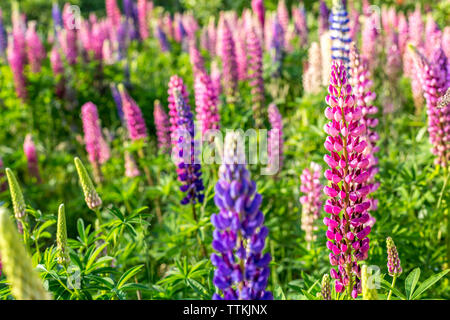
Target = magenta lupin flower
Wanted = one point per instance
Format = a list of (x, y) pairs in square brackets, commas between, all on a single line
[(433, 35), (255, 75), (347, 204), (17, 63), (113, 13), (35, 49), (216, 76), (92, 134), (68, 38), (175, 83), (142, 10), (58, 70), (446, 42), (311, 189), (227, 52), (162, 127), (197, 61), (275, 140), (433, 77), (260, 11), (29, 149), (131, 168), (206, 102), (133, 116), (241, 52)]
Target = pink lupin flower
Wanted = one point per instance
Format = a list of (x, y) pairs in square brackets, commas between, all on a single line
[(312, 78), (142, 9), (403, 33), (175, 83), (197, 61), (58, 70), (206, 102), (275, 140), (133, 115), (433, 77), (17, 64), (433, 35), (227, 52), (131, 168), (301, 27), (393, 58), (35, 49), (369, 47), (311, 199), (68, 37), (354, 24), (92, 134), (162, 127), (415, 27), (255, 74), (283, 15), (346, 203), (446, 41), (216, 76), (113, 13), (241, 52), (29, 149), (361, 83), (260, 11)]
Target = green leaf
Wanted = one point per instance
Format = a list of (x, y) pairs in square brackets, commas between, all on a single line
[(424, 286), (411, 282), (127, 275), (94, 256), (279, 294)]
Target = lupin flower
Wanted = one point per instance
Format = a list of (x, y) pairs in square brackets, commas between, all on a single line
[(61, 238), (277, 45), (301, 27), (227, 52), (17, 264), (3, 36), (216, 76), (354, 24), (325, 287), (68, 38), (35, 49), (259, 9), (394, 264), (402, 32), (275, 139), (283, 16), (206, 102), (242, 270), (325, 55), (255, 75), (324, 15), (56, 16), (162, 127), (311, 202), (340, 32), (188, 168), (117, 100), (416, 27), (446, 42), (29, 149), (142, 9), (369, 291), (162, 39), (17, 64), (91, 196), (131, 168), (175, 83), (133, 116), (197, 61), (347, 204), (58, 70), (113, 13), (393, 59), (312, 78), (369, 45), (433, 77), (16, 195), (241, 52), (361, 83)]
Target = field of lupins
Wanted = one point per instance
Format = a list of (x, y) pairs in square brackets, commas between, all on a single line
[(254, 150)]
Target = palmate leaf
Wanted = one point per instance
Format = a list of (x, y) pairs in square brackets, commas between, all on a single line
[(424, 286), (411, 282)]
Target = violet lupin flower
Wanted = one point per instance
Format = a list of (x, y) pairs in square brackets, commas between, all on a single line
[(29, 148), (324, 15), (133, 115), (433, 77), (275, 140), (162, 127), (301, 27), (339, 28), (117, 100), (347, 204), (255, 75), (310, 200), (56, 16), (259, 9), (188, 169), (175, 83), (206, 102), (277, 45), (227, 52), (162, 39), (35, 49), (3, 36), (242, 270), (361, 83)]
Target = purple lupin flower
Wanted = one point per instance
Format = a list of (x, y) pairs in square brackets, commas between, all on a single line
[(259, 9), (175, 83), (310, 200), (433, 77), (275, 140), (241, 52), (393, 264), (133, 115), (35, 49), (56, 16), (68, 38), (227, 52), (188, 169), (324, 14), (3, 36), (162, 127), (255, 74), (58, 70), (29, 148), (17, 64), (117, 100), (242, 270), (369, 48), (283, 16), (197, 61), (277, 45), (122, 39), (301, 27), (206, 102), (162, 39), (347, 204)]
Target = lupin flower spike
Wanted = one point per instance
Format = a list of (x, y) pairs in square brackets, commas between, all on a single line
[(242, 270), (340, 32), (162, 127), (61, 238), (275, 140), (131, 168), (17, 265), (324, 14), (394, 264), (3, 36), (35, 48), (368, 289), (310, 200), (29, 149), (175, 83), (326, 288), (347, 204), (259, 9), (16, 195), (227, 52), (91, 196), (277, 45), (136, 126), (312, 78)]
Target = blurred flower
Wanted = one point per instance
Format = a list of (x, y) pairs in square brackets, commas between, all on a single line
[(301, 26), (161, 36), (143, 8), (29, 149), (197, 62), (136, 126), (162, 127), (259, 9), (325, 55), (131, 168), (242, 270), (3, 36), (35, 49), (113, 13), (324, 14), (312, 77), (311, 202), (275, 140), (175, 83), (227, 53), (61, 238), (206, 102)]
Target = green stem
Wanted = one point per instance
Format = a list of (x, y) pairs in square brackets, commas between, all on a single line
[(392, 286)]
